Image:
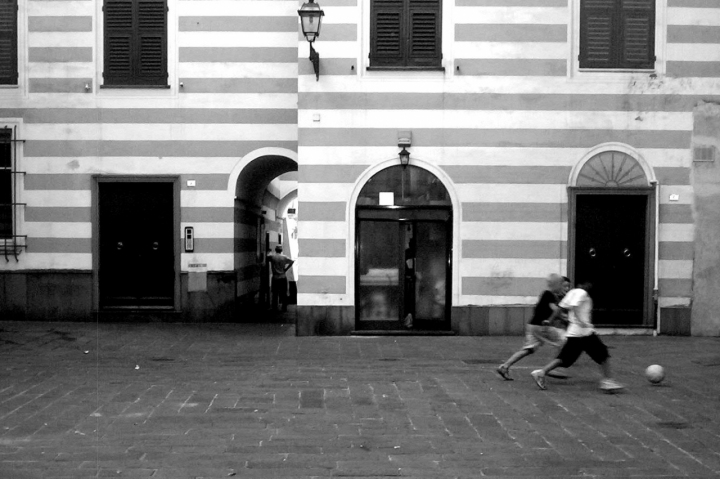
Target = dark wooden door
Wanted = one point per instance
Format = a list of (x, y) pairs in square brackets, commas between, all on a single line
[(136, 244), (610, 252)]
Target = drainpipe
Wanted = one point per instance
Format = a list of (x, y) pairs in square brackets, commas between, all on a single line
[(656, 295)]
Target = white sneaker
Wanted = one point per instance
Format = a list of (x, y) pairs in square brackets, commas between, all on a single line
[(610, 385), (539, 378)]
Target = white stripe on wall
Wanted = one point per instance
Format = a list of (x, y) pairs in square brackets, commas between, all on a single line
[(214, 261), (236, 39), (497, 119), (61, 39), (239, 8), (61, 198), (510, 15), (675, 269), (693, 16), (676, 232), (322, 229), (513, 50), (491, 230), (129, 165), (511, 193), (43, 229)]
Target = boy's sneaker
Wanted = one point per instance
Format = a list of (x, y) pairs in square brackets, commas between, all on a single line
[(539, 378), (504, 373), (610, 385)]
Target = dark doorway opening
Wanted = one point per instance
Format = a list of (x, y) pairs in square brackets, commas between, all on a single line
[(611, 251), (136, 244)]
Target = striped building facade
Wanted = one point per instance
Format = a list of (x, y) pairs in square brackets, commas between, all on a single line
[(507, 126), (222, 130), (511, 127)]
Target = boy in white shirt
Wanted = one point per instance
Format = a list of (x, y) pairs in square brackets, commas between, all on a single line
[(580, 336)]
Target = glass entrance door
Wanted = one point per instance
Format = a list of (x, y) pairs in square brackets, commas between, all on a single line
[(403, 274)]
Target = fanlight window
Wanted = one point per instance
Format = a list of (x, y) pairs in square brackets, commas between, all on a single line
[(411, 186), (612, 169)]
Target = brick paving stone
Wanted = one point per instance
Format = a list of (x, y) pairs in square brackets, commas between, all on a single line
[(254, 400)]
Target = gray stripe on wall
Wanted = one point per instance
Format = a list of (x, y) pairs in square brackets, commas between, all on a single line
[(675, 213), (511, 67), (322, 248), (510, 33), (675, 250), (60, 54), (495, 137), (60, 85), (693, 3), (207, 214), (678, 288), (238, 24), (160, 115), (214, 245), (59, 214), (693, 69), (330, 173), (205, 182), (502, 286), (321, 284), (515, 212), (60, 24), (57, 182), (329, 66), (693, 34), (59, 245), (493, 101), (322, 211), (340, 3), (667, 175), (508, 174), (238, 54), (239, 85), (150, 148), (514, 249)]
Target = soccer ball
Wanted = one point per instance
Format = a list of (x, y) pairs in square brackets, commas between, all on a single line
[(655, 373)]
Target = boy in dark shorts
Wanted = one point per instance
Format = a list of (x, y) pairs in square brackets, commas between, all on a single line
[(580, 336)]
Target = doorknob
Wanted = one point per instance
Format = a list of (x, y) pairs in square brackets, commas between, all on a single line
[(627, 253), (592, 252), (155, 246), (119, 245)]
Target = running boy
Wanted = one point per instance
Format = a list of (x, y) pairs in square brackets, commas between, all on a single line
[(580, 336), (537, 331)]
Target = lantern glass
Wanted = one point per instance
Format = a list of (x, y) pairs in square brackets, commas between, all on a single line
[(311, 17), (404, 157)]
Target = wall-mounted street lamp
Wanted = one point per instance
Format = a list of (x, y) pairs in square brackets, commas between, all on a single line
[(404, 157), (310, 18)]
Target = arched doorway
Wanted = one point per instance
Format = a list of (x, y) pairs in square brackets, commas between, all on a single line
[(259, 187), (611, 236), (403, 244)]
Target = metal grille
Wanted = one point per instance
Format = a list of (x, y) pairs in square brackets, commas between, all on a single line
[(10, 242)]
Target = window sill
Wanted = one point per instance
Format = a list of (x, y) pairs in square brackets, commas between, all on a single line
[(405, 69)]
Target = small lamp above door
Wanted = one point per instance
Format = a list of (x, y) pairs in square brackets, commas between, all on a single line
[(404, 157), (310, 19)]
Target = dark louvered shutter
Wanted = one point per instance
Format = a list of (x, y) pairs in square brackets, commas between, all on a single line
[(424, 37), (8, 42), (152, 42), (388, 36), (638, 31), (135, 42), (597, 31), (118, 19), (617, 34)]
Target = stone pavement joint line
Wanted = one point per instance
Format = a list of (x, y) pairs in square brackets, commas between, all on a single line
[(183, 401)]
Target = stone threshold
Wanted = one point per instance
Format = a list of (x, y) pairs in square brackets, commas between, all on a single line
[(401, 332)]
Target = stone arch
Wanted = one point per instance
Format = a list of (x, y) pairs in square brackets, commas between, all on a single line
[(446, 181), (612, 165)]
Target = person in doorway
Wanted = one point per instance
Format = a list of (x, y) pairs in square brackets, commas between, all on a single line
[(280, 264), (409, 283), (538, 331), (580, 336)]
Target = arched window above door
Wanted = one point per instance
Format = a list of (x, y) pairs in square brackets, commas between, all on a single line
[(411, 186), (612, 169)]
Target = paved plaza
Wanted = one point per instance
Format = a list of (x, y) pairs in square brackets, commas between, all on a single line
[(253, 401)]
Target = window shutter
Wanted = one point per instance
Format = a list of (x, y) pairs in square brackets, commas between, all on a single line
[(8, 42), (152, 42), (597, 31), (424, 25), (135, 42), (638, 34), (388, 36), (118, 19)]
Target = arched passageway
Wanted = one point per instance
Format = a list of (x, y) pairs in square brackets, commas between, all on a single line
[(260, 187)]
